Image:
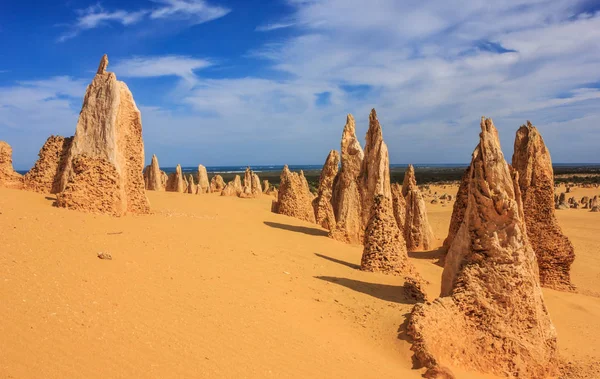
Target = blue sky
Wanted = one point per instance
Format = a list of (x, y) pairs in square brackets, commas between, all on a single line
[(223, 82)]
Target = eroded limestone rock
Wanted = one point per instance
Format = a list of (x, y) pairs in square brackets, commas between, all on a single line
[(324, 215), (94, 186), (233, 188), (346, 199), (176, 181), (9, 178), (153, 176), (458, 211), (491, 317), (374, 175), (109, 129), (294, 198), (384, 246), (45, 175), (417, 231), (399, 207), (217, 184), (554, 251), (203, 183), (192, 188)]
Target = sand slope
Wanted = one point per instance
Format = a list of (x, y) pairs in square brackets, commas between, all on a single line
[(219, 287)]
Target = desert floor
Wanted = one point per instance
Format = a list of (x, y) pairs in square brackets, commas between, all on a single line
[(219, 287)]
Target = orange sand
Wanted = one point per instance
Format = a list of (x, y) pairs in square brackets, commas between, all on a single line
[(219, 287)]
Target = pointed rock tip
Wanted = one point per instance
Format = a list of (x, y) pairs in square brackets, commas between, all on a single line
[(487, 125), (373, 114), (103, 64)]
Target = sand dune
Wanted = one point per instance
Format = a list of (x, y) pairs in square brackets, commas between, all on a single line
[(220, 287)]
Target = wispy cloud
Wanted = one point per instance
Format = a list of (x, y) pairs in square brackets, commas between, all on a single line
[(431, 69), (155, 66), (197, 11), (193, 11), (30, 111), (274, 26)]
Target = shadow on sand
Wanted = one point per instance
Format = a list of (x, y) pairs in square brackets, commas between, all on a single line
[(439, 254), (343, 263), (386, 292), (297, 229)]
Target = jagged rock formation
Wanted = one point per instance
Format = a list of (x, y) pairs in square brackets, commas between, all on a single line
[(384, 246), (192, 188), (108, 133), (585, 201), (256, 186), (94, 186), (560, 201), (203, 183), (247, 188), (233, 188), (324, 215), (554, 251), (399, 207), (594, 203), (9, 178), (217, 184), (266, 186), (346, 199), (492, 316), (374, 175), (417, 231), (45, 175), (294, 198), (272, 191), (252, 186), (154, 178), (458, 211), (176, 181)]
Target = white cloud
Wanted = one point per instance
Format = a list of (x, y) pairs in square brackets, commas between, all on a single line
[(30, 111), (430, 68), (169, 65), (193, 11), (197, 11), (274, 26)]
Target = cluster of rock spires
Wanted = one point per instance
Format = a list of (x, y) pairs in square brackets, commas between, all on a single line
[(345, 198), (99, 169), (491, 315), (561, 202), (503, 244), (157, 180), (531, 160)]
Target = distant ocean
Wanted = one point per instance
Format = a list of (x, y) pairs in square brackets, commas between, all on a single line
[(278, 168)]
